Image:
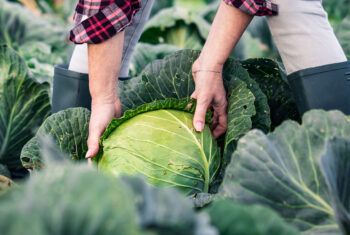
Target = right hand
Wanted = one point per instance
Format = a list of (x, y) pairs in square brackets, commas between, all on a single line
[(102, 112)]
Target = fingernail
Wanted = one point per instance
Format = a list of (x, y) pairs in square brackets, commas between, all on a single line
[(199, 126), (88, 154)]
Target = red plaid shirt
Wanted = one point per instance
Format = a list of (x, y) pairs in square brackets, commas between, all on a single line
[(255, 7), (105, 18)]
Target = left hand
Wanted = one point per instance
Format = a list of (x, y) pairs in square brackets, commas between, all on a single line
[(209, 93)]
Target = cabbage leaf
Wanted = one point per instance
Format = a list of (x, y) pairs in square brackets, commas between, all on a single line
[(68, 128), (282, 170), (24, 105), (335, 165)]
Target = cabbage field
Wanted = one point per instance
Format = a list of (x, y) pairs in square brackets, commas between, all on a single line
[(272, 172)]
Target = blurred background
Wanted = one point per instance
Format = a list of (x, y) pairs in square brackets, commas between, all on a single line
[(38, 31)]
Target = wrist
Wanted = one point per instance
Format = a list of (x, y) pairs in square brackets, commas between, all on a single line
[(107, 97), (208, 63)]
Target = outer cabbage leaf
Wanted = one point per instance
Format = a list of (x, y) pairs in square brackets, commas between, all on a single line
[(69, 129), (233, 218), (176, 26), (282, 169), (24, 104), (167, 211), (32, 37), (335, 165), (233, 70), (158, 141), (145, 53), (69, 199), (280, 98)]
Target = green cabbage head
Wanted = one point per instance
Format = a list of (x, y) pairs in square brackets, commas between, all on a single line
[(163, 146)]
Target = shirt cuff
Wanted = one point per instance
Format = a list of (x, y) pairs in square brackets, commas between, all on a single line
[(104, 23), (255, 7)]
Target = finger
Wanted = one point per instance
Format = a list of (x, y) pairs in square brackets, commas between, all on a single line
[(93, 142), (201, 110), (194, 95), (221, 125), (118, 108), (214, 120), (89, 162)]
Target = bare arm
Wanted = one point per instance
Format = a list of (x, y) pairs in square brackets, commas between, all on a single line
[(104, 66), (228, 27)]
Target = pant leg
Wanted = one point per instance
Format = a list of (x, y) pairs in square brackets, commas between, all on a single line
[(304, 36), (79, 59)]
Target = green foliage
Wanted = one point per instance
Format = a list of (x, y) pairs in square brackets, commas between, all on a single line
[(39, 42), (343, 34), (24, 104), (230, 217), (69, 200), (69, 129), (280, 98), (172, 78), (336, 9), (145, 53), (335, 165), (178, 27), (166, 211), (282, 169)]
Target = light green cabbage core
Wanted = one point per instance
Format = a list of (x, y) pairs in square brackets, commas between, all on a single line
[(163, 146)]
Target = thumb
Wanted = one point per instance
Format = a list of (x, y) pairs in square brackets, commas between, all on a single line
[(93, 145), (199, 115)]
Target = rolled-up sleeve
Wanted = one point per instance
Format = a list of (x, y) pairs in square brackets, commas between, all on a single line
[(98, 20), (255, 7)]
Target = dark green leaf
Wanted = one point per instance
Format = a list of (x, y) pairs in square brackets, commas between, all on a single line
[(233, 218), (24, 104), (280, 98), (166, 211), (69, 199), (282, 169), (69, 128), (335, 165)]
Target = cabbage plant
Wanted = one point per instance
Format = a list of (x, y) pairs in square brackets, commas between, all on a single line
[(298, 170), (159, 142), (40, 42), (186, 160), (176, 26), (24, 105), (71, 198)]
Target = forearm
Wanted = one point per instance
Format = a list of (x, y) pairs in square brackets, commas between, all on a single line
[(104, 66), (227, 28)]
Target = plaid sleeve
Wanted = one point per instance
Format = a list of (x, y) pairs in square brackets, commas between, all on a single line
[(255, 7), (99, 20)]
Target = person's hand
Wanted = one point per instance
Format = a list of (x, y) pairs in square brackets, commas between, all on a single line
[(102, 112), (209, 93)]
